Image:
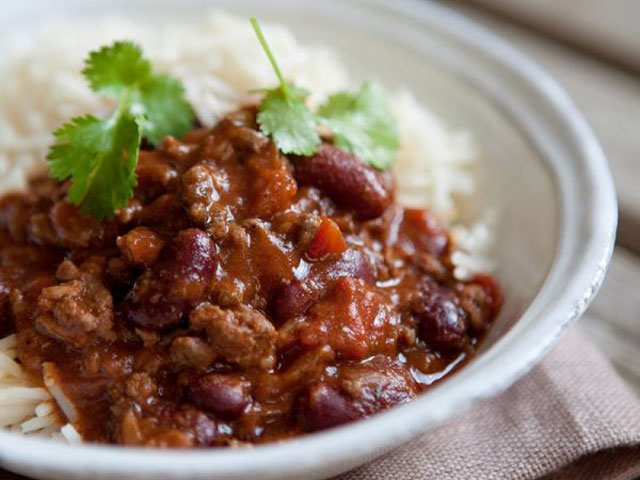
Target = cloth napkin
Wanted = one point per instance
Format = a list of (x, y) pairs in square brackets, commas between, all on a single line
[(572, 417)]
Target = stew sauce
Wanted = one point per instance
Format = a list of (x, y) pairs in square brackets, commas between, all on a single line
[(241, 296)]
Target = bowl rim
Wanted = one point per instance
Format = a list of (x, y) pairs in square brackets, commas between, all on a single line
[(587, 225)]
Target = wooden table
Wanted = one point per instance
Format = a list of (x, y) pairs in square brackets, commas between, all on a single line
[(592, 47)]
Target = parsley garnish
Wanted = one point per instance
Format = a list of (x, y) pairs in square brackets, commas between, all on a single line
[(361, 123), (100, 156)]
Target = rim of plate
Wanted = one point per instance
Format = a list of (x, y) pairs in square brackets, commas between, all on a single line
[(587, 225)]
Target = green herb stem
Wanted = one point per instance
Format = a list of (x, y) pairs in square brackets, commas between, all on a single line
[(272, 59)]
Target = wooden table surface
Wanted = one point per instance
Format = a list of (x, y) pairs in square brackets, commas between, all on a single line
[(593, 48)]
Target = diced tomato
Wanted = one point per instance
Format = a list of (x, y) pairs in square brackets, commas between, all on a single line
[(328, 241), (354, 320)]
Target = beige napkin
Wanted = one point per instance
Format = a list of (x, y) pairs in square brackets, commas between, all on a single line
[(572, 417)]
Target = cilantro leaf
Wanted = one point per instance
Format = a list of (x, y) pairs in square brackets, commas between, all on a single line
[(164, 110), (289, 122), (362, 124), (283, 115), (100, 156), (121, 72), (114, 69)]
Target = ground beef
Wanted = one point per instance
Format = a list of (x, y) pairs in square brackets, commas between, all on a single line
[(78, 311), (202, 184), (193, 352), (140, 247), (242, 336)]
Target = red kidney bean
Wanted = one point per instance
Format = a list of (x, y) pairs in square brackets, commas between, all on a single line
[(226, 396), (423, 231), (298, 296), (376, 385), (163, 295), (349, 182), (442, 323), (188, 427), (322, 406), (204, 430), (294, 299), (6, 325)]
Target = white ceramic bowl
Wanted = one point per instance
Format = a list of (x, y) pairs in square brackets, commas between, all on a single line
[(544, 168)]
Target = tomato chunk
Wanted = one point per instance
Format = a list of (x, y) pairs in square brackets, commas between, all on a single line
[(328, 241), (354, 319)]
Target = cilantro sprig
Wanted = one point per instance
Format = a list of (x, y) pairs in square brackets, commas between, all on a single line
[(360, 122), (100, 158), (283, 115), (100, 155)]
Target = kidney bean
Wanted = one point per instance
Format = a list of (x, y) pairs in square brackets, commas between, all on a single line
[(349, 182), (376, 385), (298, 296), (226, 396), (176, 427), (6, 325), (322, 406), (442, 323), (202, 430), (293, 299), (161, 296), (422, 231)]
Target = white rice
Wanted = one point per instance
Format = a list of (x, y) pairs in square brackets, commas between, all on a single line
[(218, 62), (25, 405)]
